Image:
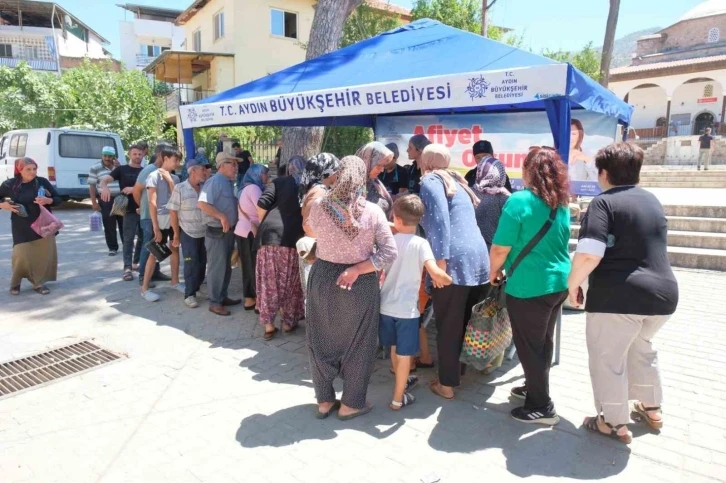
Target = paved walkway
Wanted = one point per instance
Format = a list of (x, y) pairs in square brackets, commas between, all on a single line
[(203, 398)]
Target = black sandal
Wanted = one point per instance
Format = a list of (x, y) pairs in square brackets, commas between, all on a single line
[(408, 399), (591, 424), (42, 290), (333, 408), (128, 276), (642, 412), (15, 290)]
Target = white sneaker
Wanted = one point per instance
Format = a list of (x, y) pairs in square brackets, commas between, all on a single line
[(150, 296), (191, 302), (180, 287)]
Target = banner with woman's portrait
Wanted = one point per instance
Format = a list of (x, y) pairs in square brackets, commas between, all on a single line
[(511, 136)]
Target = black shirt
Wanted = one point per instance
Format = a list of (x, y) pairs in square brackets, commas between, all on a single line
[(634, 276), (395, 180), (414, 178), (282, 225), (25, 194), (705, 141), (126, 176)]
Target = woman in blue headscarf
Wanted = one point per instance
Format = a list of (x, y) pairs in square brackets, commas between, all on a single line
[(253, 184), (278, 268)]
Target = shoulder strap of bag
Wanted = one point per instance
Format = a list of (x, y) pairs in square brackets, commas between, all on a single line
[(533, 242)]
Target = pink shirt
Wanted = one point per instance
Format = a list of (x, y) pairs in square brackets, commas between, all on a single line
[(247, 208), (374, 241)]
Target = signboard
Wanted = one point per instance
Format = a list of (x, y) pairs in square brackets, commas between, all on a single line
[(511, 136), (475, 89), (707, 100)]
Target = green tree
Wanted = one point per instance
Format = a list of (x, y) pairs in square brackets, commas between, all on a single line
[(461, 14), (366, 22), (586, 60), (260, 140), (30, 99)]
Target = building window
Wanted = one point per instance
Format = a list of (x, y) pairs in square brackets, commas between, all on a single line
[(219, 26), (708, 90), (151, 50), (197, 41), (283, 24), (6, 50), (713, 35), (17, 145)]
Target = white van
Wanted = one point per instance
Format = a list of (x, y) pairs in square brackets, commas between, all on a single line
[(64, 155)]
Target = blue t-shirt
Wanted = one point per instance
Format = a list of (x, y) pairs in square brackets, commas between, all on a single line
[(451, 229)]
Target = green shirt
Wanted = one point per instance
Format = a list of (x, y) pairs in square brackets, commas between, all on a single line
[(545, 269)]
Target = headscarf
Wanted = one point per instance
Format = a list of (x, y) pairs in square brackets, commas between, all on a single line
[(419, 141), (295, 168), (436, 159), (20, 164), (490, 177), (254, 176), (372, 155), (317, 169), (345, 202)]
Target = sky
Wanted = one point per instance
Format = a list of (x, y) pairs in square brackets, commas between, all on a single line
[(553, 24)]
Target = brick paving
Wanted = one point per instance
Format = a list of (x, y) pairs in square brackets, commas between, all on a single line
[(203, 398)]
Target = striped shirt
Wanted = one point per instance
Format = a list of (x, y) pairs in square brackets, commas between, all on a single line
[(97, 173), (184, 201)]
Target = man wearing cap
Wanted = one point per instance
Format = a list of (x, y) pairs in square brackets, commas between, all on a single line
[(189, 228), (110, 222), (219, 205), (484, 153), (394, 177), (141, 198)]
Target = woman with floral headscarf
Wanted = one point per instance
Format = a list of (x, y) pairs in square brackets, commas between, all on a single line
[(251, 187), (34, 257), (354, 242), (278, 268), (450, 224), (376, 156), (489, 188)]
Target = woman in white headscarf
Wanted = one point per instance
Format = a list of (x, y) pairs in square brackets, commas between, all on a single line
[(376, 157)]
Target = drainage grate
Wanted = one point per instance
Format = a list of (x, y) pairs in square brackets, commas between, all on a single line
[(50, 366)]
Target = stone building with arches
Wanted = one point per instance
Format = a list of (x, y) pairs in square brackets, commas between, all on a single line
[(677, 79)]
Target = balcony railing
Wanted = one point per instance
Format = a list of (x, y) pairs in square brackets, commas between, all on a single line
[(144, 60), (181, 96), (35, 64)]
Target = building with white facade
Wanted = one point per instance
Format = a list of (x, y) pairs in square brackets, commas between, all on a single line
[(147, 33), (47, 37)]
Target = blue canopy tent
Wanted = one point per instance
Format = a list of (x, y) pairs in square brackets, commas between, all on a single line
[(422, 68)]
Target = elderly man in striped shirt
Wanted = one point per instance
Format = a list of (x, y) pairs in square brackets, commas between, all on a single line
[(110, 222)]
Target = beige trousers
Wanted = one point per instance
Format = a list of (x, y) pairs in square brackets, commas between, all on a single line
[(704, 156), (623, 363)]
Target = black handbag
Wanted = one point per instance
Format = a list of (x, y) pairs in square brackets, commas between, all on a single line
[(160, 250)]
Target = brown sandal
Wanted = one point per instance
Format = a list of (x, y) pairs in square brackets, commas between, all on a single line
[(591, 424), (15, 290), (435, 387), (642, 411), (270, 335)]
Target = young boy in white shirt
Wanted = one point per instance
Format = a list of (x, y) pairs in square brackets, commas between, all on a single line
[(399, 322)]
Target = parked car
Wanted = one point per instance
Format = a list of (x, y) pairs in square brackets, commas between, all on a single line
[(64, 155)]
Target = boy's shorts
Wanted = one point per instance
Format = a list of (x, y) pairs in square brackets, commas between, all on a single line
[(403, 333)]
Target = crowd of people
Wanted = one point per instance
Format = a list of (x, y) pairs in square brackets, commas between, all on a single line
[(358, 247)]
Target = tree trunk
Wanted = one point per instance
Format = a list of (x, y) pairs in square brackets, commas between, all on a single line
[(607, 47), (325, 32), (484, 14)]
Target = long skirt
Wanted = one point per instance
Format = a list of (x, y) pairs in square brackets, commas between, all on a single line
[(278, 285), (37, 261), (342, 332)]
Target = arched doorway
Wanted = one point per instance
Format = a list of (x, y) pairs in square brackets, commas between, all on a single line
[(703, 120)]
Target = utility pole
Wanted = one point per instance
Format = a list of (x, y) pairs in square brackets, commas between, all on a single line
[(484, 8)]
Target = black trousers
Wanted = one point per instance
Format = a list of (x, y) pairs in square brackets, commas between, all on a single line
[(195, 263), (452, 310), (110, 224), (533, 327), (248, 262)]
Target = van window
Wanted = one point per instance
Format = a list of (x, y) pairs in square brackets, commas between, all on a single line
[(83, 145), (17, 145), (3, 146)]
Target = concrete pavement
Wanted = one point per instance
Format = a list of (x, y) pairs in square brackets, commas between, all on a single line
[(204, 398)]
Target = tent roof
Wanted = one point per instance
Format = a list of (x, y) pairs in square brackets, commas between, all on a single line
[(422, 49)]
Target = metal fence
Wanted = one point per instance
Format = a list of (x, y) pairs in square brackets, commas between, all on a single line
[(180, 96), (695, 128)]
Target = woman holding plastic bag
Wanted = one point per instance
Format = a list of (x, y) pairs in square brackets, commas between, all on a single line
[(34, 249)]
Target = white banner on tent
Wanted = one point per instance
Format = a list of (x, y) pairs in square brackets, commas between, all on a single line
[(474, 89)]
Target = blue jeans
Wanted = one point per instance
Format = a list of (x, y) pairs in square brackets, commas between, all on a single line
[(131, 227), (195, 263), (148, 229)]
